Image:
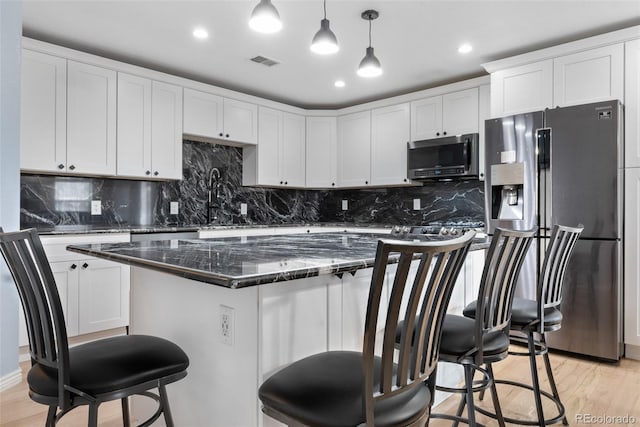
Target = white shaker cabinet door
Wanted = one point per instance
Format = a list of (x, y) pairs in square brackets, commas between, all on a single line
[(203, 114), (389, 137), (354, 149), (321, 152), (166, 131), (522, 89), (426, 118), (292, 150), (43, 113), (240, 121), (460, 112), (103, 295), (134, 126), (91, 119), (631, 264), (589, 76)]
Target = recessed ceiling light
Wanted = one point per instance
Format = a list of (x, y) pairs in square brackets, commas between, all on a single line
[(200, 33), (465, 48), (339, 83)]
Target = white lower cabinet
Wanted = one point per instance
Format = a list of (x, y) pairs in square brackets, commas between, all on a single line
[(94, 293)]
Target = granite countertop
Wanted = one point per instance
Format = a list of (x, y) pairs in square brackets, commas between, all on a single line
[(237, 262)]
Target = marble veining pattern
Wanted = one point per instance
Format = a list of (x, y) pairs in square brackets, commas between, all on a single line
[(237, 262), (48, 201)]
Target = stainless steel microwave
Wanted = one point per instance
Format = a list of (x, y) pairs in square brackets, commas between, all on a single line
[(443, 158)]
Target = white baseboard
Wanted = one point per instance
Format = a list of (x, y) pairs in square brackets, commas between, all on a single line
[(632, 351), (11, 379)]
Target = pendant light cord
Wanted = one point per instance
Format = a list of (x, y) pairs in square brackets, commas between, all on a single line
[(369, 30), (325, 9)]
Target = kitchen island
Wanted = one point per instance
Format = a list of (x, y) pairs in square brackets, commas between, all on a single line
[(243, 307)]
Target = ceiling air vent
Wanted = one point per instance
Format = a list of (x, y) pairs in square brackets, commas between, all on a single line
[(264, 61)]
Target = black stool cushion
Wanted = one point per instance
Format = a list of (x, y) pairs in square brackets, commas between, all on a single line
[(326, 390), (458, 337), (523, 313), (113, 364)]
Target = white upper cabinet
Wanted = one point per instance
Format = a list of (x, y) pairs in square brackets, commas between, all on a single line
[(321, 152), (389, 137), (91, 119), (484, 104), (43, 114), (149, 128), (589, 76), (522, 89), (279, 158), (354, 149), (632, 104), (450, 114), (212, 116), (166, 131)]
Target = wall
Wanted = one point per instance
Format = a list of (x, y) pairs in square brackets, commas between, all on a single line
[(50, 200), (10, 39)]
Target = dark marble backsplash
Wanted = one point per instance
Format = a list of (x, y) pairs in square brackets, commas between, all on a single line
[(47, 200)]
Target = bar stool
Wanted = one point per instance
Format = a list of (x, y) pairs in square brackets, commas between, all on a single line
[(482, 341), (533, 319), (347, 388)]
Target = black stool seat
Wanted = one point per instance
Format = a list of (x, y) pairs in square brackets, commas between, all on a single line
[(111, 364), (458, 337), (327, 389), (524, 312)]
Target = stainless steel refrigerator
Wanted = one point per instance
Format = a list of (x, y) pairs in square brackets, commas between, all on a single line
[(564, 166)]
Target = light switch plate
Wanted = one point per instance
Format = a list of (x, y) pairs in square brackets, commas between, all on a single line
[(96, 207), (243, 208), (416, 204), (345, 205), (173, 208)]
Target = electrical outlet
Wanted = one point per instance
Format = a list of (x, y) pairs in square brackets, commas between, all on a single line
[(226, 325), (96, 207), (345, 205), (416, 204), (173, 208), (243, 208)]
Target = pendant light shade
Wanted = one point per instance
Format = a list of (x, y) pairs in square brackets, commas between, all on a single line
[(324, 42), (265, 18), (370, 65)]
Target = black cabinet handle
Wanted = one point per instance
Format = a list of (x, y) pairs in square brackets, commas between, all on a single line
[(85, 265), (72, 167), (73, 266), (155, 173), (60, 166), (147, 173)]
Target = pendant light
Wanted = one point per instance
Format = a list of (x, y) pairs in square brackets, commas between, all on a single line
[(324, 42), (369, 66), (265, 18)]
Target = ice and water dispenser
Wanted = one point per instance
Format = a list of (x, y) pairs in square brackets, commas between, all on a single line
[(507, 188)]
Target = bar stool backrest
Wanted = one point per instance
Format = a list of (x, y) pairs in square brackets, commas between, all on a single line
[(428, 296), (561, 244), (28, 264), (501, 269)]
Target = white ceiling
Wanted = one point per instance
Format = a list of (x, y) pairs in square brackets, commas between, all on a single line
[(416, 41)]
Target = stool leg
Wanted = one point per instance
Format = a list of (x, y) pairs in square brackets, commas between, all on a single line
[(534, 377), (164, 401), (552, 381), (471, 409), (463, 402), (125, 412), (494, 396)]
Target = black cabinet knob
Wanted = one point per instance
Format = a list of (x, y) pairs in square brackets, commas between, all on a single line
[(73, 266), (286, 183), (437, 133), (147, 173), (333, 184), (85, 265), (155, 173), (60, 166), (405, 180), (280, 182), (444, 133), (366, 182), (227, 135), (72, 167), (220, 134)]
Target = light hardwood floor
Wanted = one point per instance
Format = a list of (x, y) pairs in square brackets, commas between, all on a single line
[(586, 387)]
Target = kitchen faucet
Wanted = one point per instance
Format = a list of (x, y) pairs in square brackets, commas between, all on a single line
[(214, 187)]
